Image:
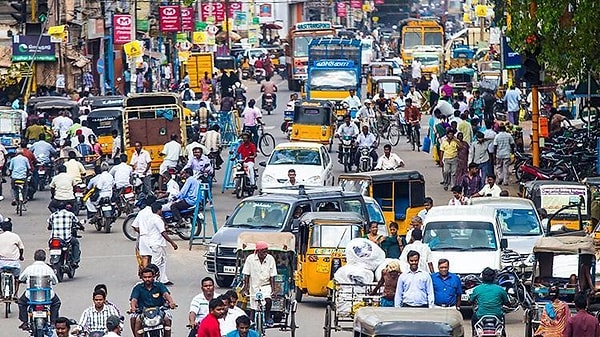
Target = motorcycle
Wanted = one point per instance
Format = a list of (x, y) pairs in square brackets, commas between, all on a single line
[(241, 180), (79, 192), (44, 172), (282, 71), (268, 103), (38, 306), (259, 74), (126, 200), (7, 288), (288, 121), (488, 326), (509, 279), (347, 146), (499, 110), (107, 214), (152, 321), (565, 171), (365, 162), (240, 104), (245, 73), (61, 255)]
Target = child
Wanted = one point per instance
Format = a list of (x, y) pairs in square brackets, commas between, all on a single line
[(392, 245), (389, 280)]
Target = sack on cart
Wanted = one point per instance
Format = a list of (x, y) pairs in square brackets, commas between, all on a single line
[(364, 253)]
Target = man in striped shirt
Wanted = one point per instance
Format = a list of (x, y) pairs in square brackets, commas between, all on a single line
[(94, 318)]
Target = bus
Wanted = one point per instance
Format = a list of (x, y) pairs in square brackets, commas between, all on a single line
[(420, 32), (296, 52)]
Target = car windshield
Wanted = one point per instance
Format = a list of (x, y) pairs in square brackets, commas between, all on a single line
[(333, 236), (460, 235), (259, 214), (301, 46), (332, 79), (295, 156), (518, 221), (389, 87)]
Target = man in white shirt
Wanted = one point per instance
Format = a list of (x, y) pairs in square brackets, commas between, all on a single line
[(121, 172), (140, 226), (427, 203), (157, 242), (189, 149), (61, 124), (171, 152), (389, 160), (74, 168), (227, 323), (141, 166), (259, 275), (490, 189), (171, 192), (104, 184), (212, 141), (416, 75), (346, 129), (199, 304), (61, 189), (117, 146), (426, 260), (366, 140), (352, 100)]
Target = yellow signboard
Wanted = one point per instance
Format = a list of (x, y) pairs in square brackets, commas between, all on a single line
[(467, 17), (133, 49), (481, 11), (199, 37), (57, 33)]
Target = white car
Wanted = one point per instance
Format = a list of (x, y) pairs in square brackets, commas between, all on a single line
[(311, 161)]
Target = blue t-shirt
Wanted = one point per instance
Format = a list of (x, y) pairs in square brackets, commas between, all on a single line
[(235, 333), (149, 298)]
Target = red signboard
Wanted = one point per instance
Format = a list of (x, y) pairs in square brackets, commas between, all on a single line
[(341, 9), (187, 19), (122, 25), (356, 4), (217, 10), (379, 2), (170, 19)]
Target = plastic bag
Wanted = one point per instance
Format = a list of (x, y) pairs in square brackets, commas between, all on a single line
[(364, 253), (355, 274)]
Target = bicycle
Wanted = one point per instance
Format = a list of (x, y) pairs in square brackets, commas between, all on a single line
[(20, 196), (266, 141), (389, 129), (415, 136), (259, 315)]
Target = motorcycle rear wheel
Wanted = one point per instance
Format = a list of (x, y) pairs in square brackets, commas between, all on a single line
[(185, 232), (106, 223), (58, 271)]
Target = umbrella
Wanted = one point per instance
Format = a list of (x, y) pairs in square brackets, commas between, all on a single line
[(271, 26), (232, 35)]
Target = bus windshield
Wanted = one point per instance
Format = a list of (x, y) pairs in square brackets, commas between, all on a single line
[(301, 46), (332, 79), (433, 39), (411, 40)]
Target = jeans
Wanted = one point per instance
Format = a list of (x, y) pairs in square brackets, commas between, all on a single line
[(147, 184), (449, 171), (177, 207), (502, 170), (513, 117), (485, 169), (75, 250), (53, 206), (54, 307)]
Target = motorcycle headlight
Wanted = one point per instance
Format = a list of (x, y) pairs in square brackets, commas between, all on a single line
[(212, 248), (151, 322), (530, 259)]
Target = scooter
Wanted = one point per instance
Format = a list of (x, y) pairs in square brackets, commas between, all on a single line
[(268, 103), (44, 172), (61, 255), (365, 162), (488, 326), (241, 181), (153, 320), (106, 215), (79, 192), (259, 74)]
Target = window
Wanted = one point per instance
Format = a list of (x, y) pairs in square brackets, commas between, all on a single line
[(433, 39), (295, 156), (301, 46), (332, 79), (460, 235), (328, 206), (389, 87), (523, 222), (411, 40), (352, 206), (257, 214), (333, 236)]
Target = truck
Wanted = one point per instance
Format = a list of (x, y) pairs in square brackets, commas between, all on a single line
[(334, 67), (197, 64), (420, 32), (296, 51)]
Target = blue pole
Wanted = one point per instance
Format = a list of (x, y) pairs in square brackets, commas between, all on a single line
[(109, 58)]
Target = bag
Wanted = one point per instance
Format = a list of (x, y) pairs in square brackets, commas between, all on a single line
[(194, 331), (426, 144), (187, 96)]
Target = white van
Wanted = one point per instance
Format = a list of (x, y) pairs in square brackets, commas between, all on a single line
[(470, 237)]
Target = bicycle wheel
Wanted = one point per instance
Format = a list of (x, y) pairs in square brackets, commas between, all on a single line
[(393, 134), (266, 144)]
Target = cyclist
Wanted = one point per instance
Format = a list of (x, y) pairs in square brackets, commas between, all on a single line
[(366, 114), (412, 116), (252, 118), (11, 252)]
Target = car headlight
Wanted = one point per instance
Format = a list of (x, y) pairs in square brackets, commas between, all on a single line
[(212, 248), (268, 179), (314, 180)]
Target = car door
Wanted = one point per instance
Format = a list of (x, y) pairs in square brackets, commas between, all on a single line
[(327, 172)]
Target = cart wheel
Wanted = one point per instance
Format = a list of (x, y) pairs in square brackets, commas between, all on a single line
[(292, 323), (327, 328), (298, 295)]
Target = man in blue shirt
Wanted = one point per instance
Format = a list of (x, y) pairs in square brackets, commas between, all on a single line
[(414, 289), (42, 150), (512, 98), (187, 195), (242, 328), (447, 287), (19, 168)]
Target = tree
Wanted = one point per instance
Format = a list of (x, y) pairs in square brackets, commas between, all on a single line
[(564, 34)]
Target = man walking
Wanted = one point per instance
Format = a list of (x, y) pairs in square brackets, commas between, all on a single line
[(415, 288), (449, 158), (504, 145), (158, 239), (479, 154), (512, 98), (447, 286)]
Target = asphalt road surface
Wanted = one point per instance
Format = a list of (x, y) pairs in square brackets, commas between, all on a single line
[(109, 258)]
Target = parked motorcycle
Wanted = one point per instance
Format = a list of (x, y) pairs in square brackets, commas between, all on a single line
[(268, 103), (347, 146), (241, 181), (365, 161), (488, 326), (61, 255)]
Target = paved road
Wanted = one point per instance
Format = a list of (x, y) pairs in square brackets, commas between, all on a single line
[(109, 258)]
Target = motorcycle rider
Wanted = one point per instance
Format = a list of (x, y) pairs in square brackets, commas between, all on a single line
[(114, 326), (171, 152), (239, 92), (366, 114), (170, 193), (61, 223), (412, 116), (187, 196), (140, 160), (188, 94), (19, 168), (121, 173), (368, 140), (268, 87), (488, 297), (352, 100), (62, 327), (43, 152), (200, 165), (95, 317), (41, 269), (11, 251), (212, 141), (247, 151), (61, 189), (75, 168), (149, 294), (104, 185), (346, 129)]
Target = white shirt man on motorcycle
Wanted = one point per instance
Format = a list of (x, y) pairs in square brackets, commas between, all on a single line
[(366, 140), (104, 185), (346, 129)]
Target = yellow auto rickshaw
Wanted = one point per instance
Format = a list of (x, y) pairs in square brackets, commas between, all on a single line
[(103, 121), (389, 85), (227, 63), (314, 122), (400, 193), (378, 69), (321, 240)]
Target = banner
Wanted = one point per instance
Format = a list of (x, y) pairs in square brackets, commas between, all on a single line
[(356, 4), (217, 10), (169, 18), (122, 24), (24, 48), (187, 19), (341, 9), (133, 49), (265, 11)]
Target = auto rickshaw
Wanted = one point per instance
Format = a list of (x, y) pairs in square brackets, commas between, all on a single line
[(103, 121), (281, 247), (321, 240), (228, 63), (11, 128), (460, 77), (400, 193), (377, 69), (567, 261), (390, 85), (91, 103), (314, 122), (392, 322), (562, 198), (52, 108)]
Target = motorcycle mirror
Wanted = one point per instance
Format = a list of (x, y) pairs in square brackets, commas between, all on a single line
[(503, 243)]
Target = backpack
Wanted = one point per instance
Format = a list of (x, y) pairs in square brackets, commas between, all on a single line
[(187, 96)]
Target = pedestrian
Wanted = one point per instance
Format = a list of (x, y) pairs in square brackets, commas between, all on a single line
[(209, 326), (427, 204), (449, 158), (291, 178), (555, 315), (447, 286), (479, 154), (199, 304), (490, 189), (95, 317), (389, 280), (140, 225), (158, 239), (458, 199), (114, 326), (3, 157), (582, 324), (141, 160), (117, 148), (512, 99), (127, 79), (416, 222), (464, 127), (504, 146), (414, 288), (434, 90), (259, 276), (425, 259), (372, 235), (471, 181), (392, 245), (462, 156), (170, 152)]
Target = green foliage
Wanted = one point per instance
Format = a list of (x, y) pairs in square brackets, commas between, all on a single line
[(568, 41)]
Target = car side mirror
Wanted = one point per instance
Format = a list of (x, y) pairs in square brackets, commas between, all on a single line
[(503, 243), (263, 163)]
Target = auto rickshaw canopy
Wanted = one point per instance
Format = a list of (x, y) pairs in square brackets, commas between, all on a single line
[(380, 321), (277, 241), (565, 245), (313, 112)]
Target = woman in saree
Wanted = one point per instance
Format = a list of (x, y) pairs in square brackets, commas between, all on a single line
[(463, 157), (554, 316)]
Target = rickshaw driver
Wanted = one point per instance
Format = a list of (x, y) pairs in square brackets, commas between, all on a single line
[(488, 298), (259, 276), (346, 129), (366, 140), (366, 114)]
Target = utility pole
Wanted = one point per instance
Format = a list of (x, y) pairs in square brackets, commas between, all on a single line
[(535, 113), (227, 41)]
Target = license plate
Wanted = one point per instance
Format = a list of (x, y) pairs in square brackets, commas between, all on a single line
[(106, 208), (41, 172), (55, 252), (78, 194), (129, 195), (228, 269), (40, 314), (464, 298)]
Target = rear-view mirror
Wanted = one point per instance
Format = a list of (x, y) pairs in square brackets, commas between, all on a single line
[(503, 243)]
